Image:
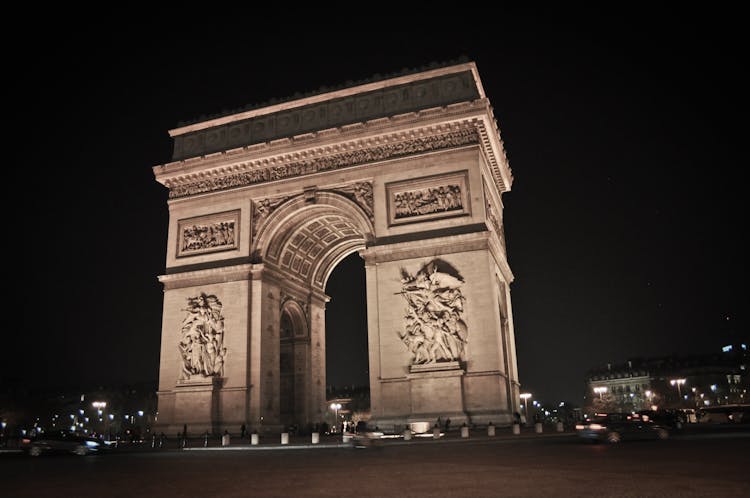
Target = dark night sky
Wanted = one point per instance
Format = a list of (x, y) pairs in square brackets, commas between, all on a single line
[(623, 226)]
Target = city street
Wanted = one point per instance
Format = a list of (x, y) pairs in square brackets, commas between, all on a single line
[(714, 464)]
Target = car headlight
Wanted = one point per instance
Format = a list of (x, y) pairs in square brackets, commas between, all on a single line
[(92, 444)]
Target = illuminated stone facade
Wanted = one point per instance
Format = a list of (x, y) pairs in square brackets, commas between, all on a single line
[(408, 172)]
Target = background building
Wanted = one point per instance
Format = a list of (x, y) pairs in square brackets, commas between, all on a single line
[(671, 382)]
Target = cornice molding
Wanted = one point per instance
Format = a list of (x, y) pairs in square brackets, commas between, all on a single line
[(426, 248), (330, 158), (211, 276)]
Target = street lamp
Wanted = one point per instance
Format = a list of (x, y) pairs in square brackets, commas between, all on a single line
[(601, 390), (336, 407), (650, 397), (100, 406), (678, 383), (525, 397)]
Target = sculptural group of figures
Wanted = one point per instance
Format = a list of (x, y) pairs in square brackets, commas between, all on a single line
[(434, 329), (205, 236), (427, 200), (201, 343)]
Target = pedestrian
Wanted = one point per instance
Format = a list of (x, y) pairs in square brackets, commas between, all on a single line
[(447, 424), (242, 431)]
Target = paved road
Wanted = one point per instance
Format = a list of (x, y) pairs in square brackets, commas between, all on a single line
[(700, 465)]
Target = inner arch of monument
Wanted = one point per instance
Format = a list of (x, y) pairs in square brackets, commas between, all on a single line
[(303, 243)]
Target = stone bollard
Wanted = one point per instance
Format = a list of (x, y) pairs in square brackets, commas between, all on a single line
[(284, 438), (490, 429), (254, 438), (205, 439), (538, 428), (225, 439), (516, 428), (464, 431), (560, 427), (407, 434), (436, 432), (346, 437), (315, 438)]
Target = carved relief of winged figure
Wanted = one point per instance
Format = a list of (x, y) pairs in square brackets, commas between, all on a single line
[(434, 328)]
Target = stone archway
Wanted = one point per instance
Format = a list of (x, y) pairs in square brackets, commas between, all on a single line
[(300, 240), (409, 173)]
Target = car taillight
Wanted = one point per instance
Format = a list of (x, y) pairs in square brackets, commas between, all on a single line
[(25, 441), (580, 427), (596, 427)]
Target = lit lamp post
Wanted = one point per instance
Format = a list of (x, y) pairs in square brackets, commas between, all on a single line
[(650, 398), (525, 397), (100, 406), (600, 390), (678, 383), (336, 407)]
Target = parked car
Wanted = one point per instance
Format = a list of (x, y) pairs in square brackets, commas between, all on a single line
[(616, 427), (62, 442)]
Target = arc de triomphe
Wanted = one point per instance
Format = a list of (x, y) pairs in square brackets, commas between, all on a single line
[(409, 172)]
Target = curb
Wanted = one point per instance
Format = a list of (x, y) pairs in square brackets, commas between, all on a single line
[(385, 443)]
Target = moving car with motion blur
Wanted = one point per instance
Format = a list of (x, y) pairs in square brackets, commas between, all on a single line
[(616, 427), (62, 442)]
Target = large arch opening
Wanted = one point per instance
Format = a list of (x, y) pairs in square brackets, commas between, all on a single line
[(347, 359), (309, 248)]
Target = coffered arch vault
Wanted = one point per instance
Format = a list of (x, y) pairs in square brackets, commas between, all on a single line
[(306, 239)]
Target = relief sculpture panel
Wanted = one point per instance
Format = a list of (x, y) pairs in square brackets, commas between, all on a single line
[(202, 338), (434, 329), (205, 234), (427, 199)]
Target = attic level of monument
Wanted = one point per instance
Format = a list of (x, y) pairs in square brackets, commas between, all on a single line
[(439, 121), (391, 97)]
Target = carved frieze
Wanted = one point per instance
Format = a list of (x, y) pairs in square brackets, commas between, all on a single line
[(434, 328), (205, 234), (427, 198), (260, 173), (202, 338)]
